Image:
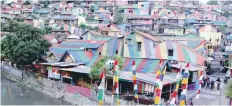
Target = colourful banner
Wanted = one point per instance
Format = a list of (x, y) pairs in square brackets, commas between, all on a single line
[(175, 93), (116, 82), (200, 77), (159, 84), (134, 80), (184, 85), (101, 88)]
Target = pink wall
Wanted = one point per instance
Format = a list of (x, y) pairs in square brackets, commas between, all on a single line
[(77, 89)]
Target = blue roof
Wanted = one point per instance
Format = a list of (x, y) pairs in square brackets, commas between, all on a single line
[(229, 37), (42, 10), (65, 17), (218, 23), (84, 44), (191, 20)]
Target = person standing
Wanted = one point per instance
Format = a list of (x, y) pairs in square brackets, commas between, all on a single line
[(212, 84), (218, 83), (204, 81)]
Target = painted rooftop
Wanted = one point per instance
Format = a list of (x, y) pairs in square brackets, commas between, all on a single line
[(82, 43), (143, 65), (180, 53)]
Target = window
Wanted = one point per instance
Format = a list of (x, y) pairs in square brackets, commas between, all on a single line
[(170, 52), (142, 5), (139, 44), (128, 41), (130, 11), (116, 51)]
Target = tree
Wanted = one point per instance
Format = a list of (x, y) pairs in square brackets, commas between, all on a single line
[(19, 19), (118, 18), (46, 30), (99, 66), (24, 45), (228, 92), (45, 3), (222, 29), (226, 14), (212, 2)]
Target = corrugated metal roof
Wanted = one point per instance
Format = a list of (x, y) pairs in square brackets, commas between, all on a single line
[(83, 43)]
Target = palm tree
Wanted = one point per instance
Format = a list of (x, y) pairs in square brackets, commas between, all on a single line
[(229, 92)]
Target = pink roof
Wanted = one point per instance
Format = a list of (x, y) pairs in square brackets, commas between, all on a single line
[(49, 37)]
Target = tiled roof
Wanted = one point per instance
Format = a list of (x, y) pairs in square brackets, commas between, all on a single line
[(65, 17)]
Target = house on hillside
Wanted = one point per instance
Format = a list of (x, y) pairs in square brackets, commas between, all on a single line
[(65, 19), (199, 44), (27, 11), (228, 43), (5, 18), (173, 29), (139, 8), (140, 22), (162, 13), (211, 7), (190, 30), (13, 12), (42, 12), (211, 34), (114, 45), (111, 30), (93, 20), (142, 45), (29, 19)]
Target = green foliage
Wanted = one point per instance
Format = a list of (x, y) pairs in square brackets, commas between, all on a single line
[(46, 30), (24, 45), (118, 18), (229, 89), (212, 2), (45, 3), (98, 67), (89, 27), (82, 25), (18, 19), (226, 14), (91, 8), (222, 29)]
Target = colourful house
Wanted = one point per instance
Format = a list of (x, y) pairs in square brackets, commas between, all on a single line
[(142, 45), (42, 12), (228, 43), (113, 46), (140, 22), (199, 44), (173, 29), (111, 30), (190, 30), (162, 13), (139, 8), (211, 34), (93, 20), (211, 7)]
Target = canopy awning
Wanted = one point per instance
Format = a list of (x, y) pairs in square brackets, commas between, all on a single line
[(78, 69), (148, 78), (191, 67), (62, 64)]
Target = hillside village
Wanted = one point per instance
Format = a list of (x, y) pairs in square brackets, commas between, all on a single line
[(156, 35)]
